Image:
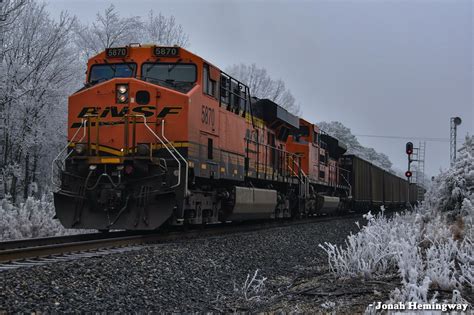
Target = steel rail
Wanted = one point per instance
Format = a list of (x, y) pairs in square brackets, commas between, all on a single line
[(43, 241), (44, 247)]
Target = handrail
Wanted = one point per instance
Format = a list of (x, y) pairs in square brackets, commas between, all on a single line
[(288, 154), (270, 146), (166, 147), (348, 184), (186, 192), (305, 181), (295, 162), (83, 122), (303, 178)]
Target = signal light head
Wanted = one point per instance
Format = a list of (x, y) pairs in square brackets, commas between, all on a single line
[(409, 148), (408, 174)]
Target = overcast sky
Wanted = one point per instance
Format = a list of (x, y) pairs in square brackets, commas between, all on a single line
[(395, 68)]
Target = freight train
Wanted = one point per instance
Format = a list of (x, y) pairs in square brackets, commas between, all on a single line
[(158, 135)]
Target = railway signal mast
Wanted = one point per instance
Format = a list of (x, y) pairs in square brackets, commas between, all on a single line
[(419, 155), (416, 155), (408, 173), (409, 151), (455, 122)]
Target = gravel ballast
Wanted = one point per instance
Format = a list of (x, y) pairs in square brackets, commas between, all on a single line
[(205, 274)]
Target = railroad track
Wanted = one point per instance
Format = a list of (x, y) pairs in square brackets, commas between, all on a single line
[(40, 251)]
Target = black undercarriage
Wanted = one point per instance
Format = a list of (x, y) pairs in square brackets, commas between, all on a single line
[(144, 194)]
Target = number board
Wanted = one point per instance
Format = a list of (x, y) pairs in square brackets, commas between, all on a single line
[(119, 52), (166, 51)]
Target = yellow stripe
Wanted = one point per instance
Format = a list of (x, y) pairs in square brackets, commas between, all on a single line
[(120, 153), (103, 149), (108, 150), (110, 160), (175, 144)]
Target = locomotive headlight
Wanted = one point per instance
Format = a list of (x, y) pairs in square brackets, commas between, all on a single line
[(122, 98), (122, 89), (80, 148), (121, 93)]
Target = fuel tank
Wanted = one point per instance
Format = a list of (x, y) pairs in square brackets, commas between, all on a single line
[(328, 204), (253, 203)]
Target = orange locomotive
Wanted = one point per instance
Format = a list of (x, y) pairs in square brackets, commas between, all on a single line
[(159, 135)]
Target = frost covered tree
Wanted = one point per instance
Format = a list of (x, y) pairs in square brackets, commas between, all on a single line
[(110, 29), (39, 68), (263, 86), (344, 134), (453, 190), (162, 30), (9, 12), (429, 249)]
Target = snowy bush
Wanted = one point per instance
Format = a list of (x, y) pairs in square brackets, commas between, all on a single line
[(430, 248), (33, 218), (364, 254), (253, 287)]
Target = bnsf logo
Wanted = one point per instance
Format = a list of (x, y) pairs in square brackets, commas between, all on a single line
[(114, 112)]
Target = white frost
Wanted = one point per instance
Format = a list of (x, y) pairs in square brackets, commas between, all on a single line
[(431, 247)]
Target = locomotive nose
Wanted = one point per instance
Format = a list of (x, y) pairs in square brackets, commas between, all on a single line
[(110, 199)]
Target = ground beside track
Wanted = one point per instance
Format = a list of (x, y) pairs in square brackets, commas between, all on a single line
[(199, 275)]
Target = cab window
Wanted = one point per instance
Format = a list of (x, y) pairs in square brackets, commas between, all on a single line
[(177, 76), (104, 72), (304, 131), (209, 86)]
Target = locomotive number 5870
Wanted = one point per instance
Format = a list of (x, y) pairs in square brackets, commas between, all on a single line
[(207, 115)]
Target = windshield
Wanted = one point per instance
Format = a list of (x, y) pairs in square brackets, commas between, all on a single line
[(106, 72), (177, 76)]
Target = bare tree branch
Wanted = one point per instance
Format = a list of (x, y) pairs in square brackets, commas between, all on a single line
[(110, 29), (263, 86)]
